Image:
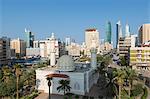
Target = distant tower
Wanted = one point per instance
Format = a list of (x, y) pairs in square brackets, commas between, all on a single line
[(93, 54), (68, 41), (89, 34), (52, 50), (29, 38), (108, 32), (127, 30), (118, 32)]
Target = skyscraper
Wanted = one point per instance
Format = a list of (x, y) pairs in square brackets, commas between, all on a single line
[(108, 32), (118, 32), (29, 38), (127, 30), (144, 33), (91, 34)]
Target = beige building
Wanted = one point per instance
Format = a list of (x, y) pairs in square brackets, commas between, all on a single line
[(144, 33), (73, 49), (19, 46), (90, 35), (125, 43), (140, 58)]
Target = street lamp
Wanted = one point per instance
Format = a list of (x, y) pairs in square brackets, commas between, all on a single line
[(49, 85)]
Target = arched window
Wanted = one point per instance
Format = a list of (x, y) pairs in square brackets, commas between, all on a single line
[(76, 86)]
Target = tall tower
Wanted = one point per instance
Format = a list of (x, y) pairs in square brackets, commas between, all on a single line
[(89, 35), (52, 50), (127, 30), (29, 38), (108, 32), (118, 32)]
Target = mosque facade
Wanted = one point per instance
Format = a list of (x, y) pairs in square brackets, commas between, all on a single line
[(82, 75)]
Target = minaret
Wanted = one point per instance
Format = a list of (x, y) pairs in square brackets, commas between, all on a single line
[(52, 50), (93, 54), (127, 30)]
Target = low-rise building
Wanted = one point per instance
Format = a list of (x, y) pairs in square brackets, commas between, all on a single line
[(140, 58)]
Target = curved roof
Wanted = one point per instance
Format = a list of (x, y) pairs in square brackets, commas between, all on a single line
[(66, 63), (57, 75)]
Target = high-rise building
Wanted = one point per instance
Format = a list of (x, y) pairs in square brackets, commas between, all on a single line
[(125, 43), (118, 32), (91, 34), (19, 46), (108, 32), (4, 51), (29, 38), (144, 33), (3, 58), (127, 30), (68, 41)]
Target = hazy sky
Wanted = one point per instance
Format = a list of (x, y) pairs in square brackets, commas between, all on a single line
[(70, 17)]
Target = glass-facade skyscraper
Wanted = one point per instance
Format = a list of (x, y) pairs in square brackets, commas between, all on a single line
[(118, 32), (29, 38), (108, 32)]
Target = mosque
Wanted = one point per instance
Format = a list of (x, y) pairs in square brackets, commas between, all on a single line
[(82, 75)]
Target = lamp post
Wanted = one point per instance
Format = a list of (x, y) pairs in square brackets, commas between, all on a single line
[(49, 85)]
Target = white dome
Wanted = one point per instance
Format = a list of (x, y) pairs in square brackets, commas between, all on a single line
[(66, 63)]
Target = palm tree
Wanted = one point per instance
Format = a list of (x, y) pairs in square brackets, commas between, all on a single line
[(119, 78), (49, 85), (17, 73), (111, 86), (130, 76), (6, 73), (64, 85)]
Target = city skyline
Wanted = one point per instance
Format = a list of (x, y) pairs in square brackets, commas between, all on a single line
[(70, 18)]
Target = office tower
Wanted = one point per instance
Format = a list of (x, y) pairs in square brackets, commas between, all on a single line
[(127, 30), (3, 59), (118, 32), (4, 51), (91, 34), (68, 41), (144, 33), (29, 38), (19, 46), (108, 32)]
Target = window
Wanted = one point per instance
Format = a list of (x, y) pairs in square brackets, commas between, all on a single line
[(76, 86)]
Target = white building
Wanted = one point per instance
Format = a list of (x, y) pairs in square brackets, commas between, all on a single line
[(82, 76), (45, 47)]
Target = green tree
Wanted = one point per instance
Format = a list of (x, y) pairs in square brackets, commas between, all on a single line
[(119, 79), (123, 61), (17, 73), (130, 76), (64, 85), (111, 86), (7, 74)]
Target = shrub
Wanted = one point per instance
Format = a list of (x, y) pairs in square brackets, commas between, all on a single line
[(145, 94), (76, 96), (137, 90)]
